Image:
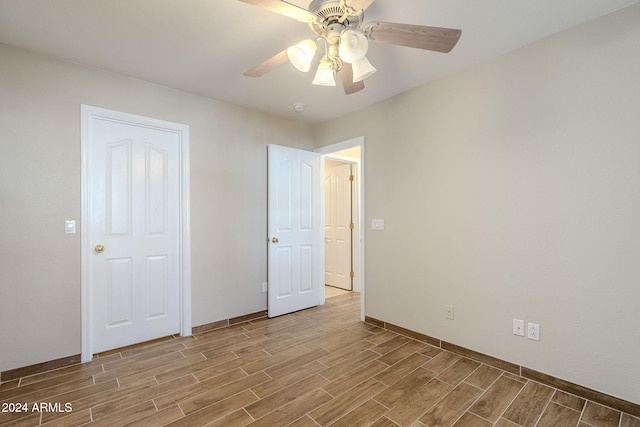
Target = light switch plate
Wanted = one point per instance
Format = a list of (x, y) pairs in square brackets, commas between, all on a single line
[(69, 227), (377, 224)]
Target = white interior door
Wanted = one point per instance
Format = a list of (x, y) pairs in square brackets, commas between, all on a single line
[(134, 226), (337, 225), (296, 253)]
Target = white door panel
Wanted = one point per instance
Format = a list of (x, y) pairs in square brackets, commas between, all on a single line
[(134, 212), (337, 229), (295, 254)]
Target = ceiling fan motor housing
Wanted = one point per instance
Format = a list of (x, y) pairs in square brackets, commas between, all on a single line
[(332, 12)]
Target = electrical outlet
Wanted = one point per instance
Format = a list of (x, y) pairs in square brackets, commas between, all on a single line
[(448, 312), (518, 327), (264, 287), (533, 331)]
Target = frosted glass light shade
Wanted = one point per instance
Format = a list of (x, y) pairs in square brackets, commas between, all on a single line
[(301, 54), (324, 74), (353, 46), (362, 69)]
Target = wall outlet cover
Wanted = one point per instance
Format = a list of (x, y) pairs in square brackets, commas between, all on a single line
[(533, 331), (518, 327), (448, 312)]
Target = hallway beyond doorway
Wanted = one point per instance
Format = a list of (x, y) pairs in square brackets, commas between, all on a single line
[(332, 291)]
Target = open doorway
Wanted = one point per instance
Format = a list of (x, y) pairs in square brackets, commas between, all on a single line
[(340, 211), (343, 187)]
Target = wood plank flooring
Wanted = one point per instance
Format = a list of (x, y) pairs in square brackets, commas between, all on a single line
[(317, 367)]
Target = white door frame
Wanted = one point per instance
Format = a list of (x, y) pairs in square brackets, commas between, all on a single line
[(88, 113), (326, 151)]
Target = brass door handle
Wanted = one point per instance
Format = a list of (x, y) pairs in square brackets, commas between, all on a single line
[(99, 249), (275, 240)]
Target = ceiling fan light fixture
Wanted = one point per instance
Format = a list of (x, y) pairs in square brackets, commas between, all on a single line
[(301, 54), (324, 75), (362, 69), (353, 46)]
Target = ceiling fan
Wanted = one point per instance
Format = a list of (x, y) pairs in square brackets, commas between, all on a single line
[(339, 24)]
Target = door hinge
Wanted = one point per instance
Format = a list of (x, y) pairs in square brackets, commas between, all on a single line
[(351, 178), (352, 274), (352, 226)]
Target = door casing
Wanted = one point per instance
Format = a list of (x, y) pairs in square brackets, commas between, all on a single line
[(89, 113)]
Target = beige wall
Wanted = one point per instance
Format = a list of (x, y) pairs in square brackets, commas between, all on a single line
[(40, 102), (512, 190)]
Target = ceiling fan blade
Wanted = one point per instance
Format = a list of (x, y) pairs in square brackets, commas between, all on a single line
[(346, 75), (359, 4), (418, 36), (286, 9), (268, 65)]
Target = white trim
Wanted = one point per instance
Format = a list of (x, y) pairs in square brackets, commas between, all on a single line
[(327, 151), (87, 113)]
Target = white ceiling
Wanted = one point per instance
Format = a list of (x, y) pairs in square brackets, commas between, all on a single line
[(204, 46)]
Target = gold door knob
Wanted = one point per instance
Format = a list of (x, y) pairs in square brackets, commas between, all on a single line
[(274, 240), (99, 249)]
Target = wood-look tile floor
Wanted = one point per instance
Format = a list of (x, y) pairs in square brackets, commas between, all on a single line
[(316, 367)]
